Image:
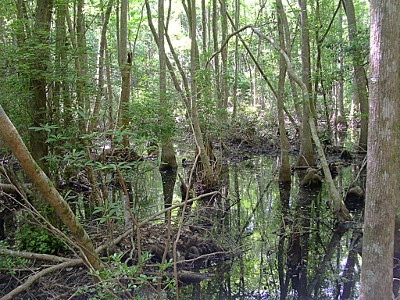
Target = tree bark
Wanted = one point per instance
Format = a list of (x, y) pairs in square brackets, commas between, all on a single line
[(194, 67), (125, 60), (383, 174), (38, 80), (168, 158), (100, 66), (284, 171), (306, 155)]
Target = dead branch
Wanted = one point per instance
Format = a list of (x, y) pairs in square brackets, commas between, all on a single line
[(32, 279), (31, 255)]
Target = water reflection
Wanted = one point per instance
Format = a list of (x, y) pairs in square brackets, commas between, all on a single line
[(290, 245)]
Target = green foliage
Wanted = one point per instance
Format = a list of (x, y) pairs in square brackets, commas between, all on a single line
[(119, 280), (36, 239), (9, 262), (110, 211)]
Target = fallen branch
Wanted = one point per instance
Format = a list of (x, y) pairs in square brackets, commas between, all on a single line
[(31, 255), (32, 279)]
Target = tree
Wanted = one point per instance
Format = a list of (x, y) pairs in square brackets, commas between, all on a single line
[(284, 171), (306, 155), (383, 174), (359, 72), (125, 63), (168, 158), (38, 81)]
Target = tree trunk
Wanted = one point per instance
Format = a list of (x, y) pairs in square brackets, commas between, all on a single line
[(194, 66), (46, 187), (284, 171), (168, 158), (125, 66), (100, 66), (383, 174), (237, 55), (306, 156), (224, 58), (38, 81), (359, 73)]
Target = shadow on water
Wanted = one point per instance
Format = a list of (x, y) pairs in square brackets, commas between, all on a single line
[(290, 246)]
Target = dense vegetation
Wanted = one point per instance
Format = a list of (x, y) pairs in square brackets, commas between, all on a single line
[(106, 93)]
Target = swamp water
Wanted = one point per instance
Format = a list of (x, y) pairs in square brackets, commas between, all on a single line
[(287, 245)]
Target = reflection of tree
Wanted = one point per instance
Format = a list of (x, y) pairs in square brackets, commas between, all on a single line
[(284, 192), (297, 253), (339, 230), (349, 269)]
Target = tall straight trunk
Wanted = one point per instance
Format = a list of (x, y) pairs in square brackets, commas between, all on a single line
[(194, 67), (360, 79), (82, 94), (100, 67), (38, 82), (306, 156), (110, 96), (168, 158), (288, 45), (383, 173), (204, 25), (60, 61), (237, 55), (284, 171), (224, 57), (46, 187), (125, 60), (340, 117), (217, 70)]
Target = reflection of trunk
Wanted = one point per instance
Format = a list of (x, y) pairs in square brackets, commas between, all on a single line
[(238, 223), (297, 255), (338, 232), (349, 269), (168, 181), (284, 192)]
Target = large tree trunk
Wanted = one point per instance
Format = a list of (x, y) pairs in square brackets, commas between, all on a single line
[(306, 156), (383, 173), (46, 187)]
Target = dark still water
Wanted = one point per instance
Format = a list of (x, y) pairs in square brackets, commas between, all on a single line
[(286, 243)]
